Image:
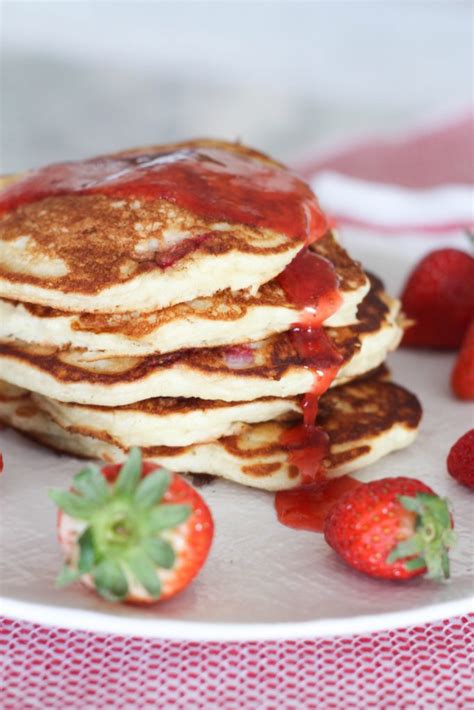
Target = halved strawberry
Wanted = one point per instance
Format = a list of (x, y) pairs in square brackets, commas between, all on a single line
[(133, 532)]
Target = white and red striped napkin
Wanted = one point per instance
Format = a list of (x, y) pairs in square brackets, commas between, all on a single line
[(423, 183)]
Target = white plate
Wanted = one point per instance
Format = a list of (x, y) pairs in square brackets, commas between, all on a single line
[(262, 580)]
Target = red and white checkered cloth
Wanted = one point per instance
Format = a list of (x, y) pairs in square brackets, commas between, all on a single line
[(430, 666)]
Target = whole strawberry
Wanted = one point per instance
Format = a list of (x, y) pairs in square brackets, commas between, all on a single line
[(462, 378), (132, 532), (461, 460), (439, 297), (394, 528)]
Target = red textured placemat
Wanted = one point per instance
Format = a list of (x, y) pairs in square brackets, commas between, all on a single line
[(430, 666)]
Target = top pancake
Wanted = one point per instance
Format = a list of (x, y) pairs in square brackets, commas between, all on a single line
[(94, 236)]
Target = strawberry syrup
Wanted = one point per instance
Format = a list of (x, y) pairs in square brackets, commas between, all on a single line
[(216, 184), (306, 508), (321, 357), (311, 284), (306, 446)]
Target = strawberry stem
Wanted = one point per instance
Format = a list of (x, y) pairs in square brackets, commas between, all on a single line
[(433, 537), (122, 543)]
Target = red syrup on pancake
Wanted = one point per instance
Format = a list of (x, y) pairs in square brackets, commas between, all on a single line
[(321, 357), (307, 446), (213, 183), (306, 508), (311, 283)]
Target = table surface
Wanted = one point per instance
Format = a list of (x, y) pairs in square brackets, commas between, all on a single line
[(430, 666)]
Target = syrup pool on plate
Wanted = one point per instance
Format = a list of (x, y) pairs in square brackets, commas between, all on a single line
[(306, 508)]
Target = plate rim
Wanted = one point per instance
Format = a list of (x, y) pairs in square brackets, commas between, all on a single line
[(178, 630)]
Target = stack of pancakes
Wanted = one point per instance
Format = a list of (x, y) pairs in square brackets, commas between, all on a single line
[(144, 301)]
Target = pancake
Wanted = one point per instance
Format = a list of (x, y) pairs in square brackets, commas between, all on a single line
[(365, 344), (152, 227), (269, 368), (165, 421), (365, 421), (225, 318)]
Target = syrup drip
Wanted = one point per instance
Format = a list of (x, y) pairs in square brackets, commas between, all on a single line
[(306, 508), (321, 357), (310, 282), (216, 184), (307, 445)]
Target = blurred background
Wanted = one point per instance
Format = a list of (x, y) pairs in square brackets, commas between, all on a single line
[(294, 78)]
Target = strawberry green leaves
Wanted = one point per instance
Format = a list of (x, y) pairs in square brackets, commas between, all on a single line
[(87, 557), (167, 516), (143, 569), (90, 491), (74, 505), (110, 580), (152, 488), (160, 551), (130, 474), (121, 545), (433, 537), (91, 484), (68, 575)]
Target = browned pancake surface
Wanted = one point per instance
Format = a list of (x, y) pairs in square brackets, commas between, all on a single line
[(350, 413), (226, 305), (270, 358), (371, 313), (97, 236), (355, 416)]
